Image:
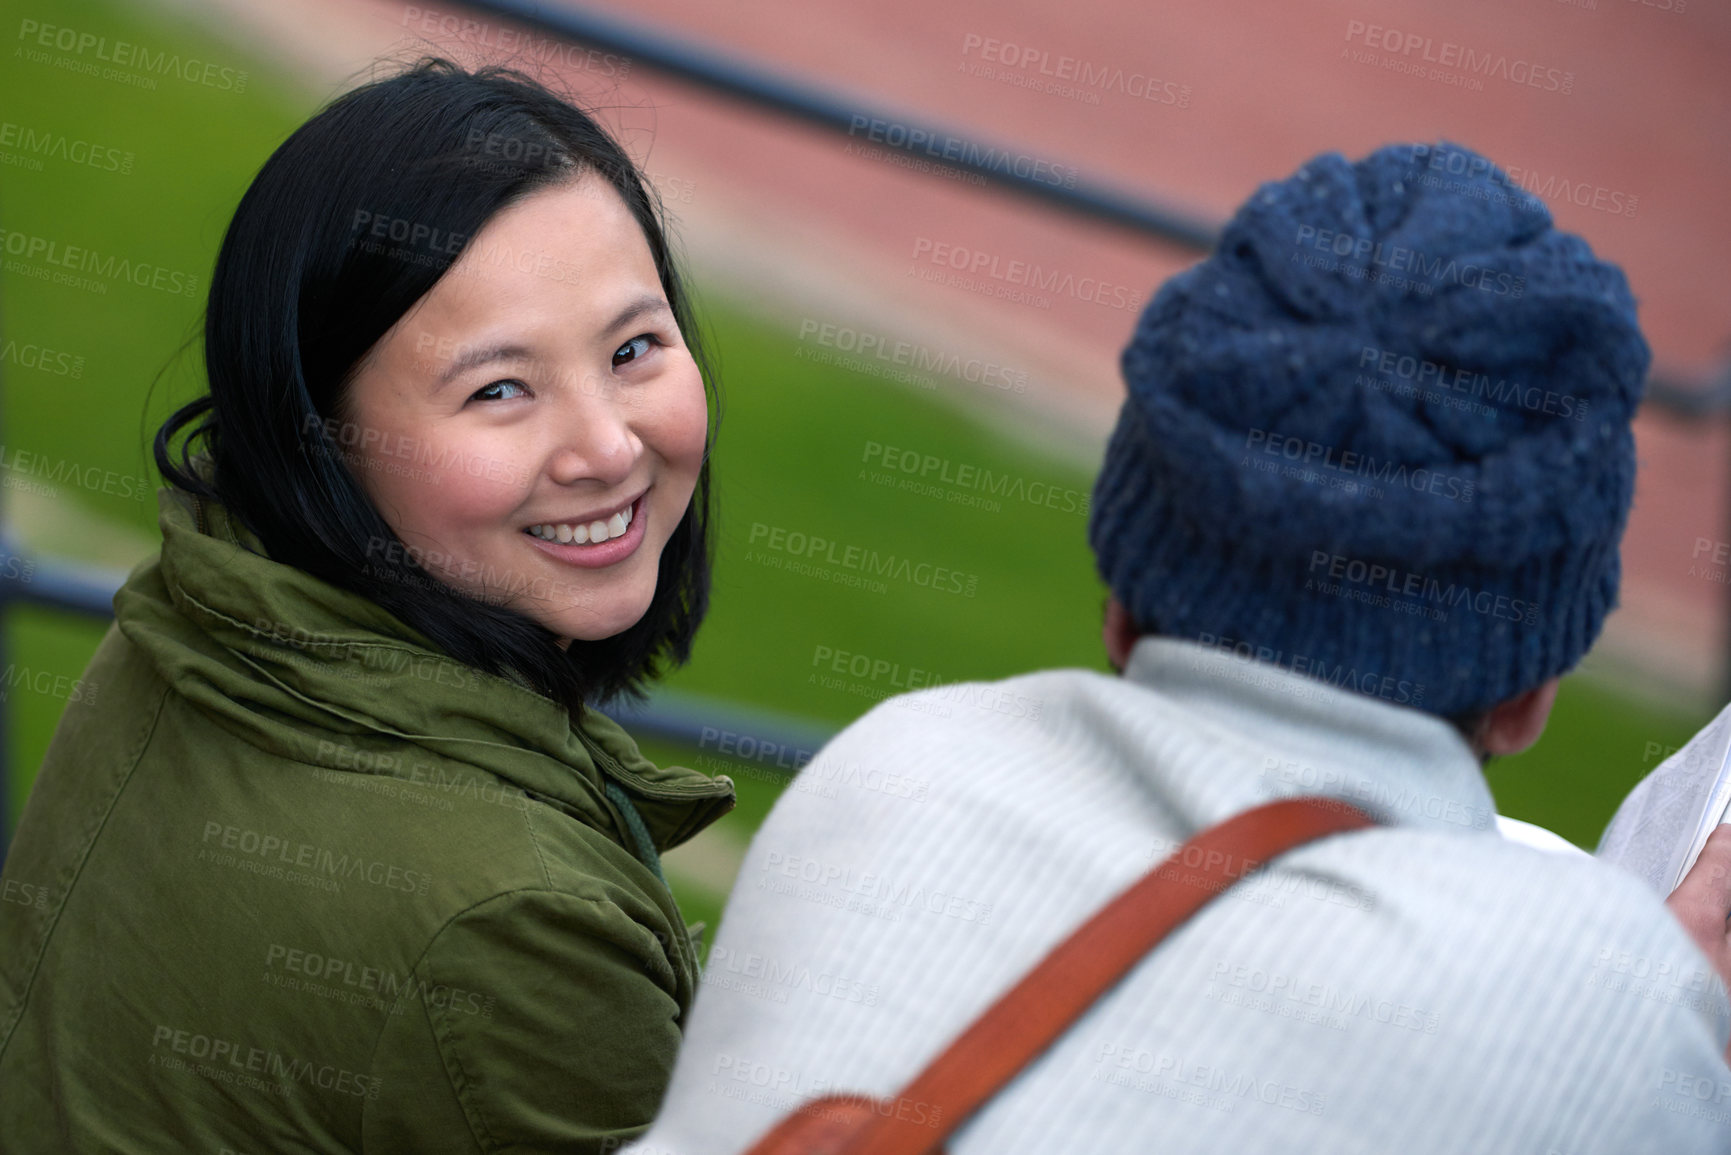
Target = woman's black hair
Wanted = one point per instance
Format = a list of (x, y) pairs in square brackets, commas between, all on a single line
[(304, 286)]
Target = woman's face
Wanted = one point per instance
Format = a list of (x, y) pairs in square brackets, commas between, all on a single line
[(533, 427)]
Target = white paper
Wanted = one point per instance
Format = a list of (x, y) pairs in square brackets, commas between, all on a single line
[(1713, 816), (1661, 826), (1537, 837)]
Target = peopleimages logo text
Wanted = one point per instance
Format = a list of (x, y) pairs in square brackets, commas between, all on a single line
[(59, 146), (127, 55), (979, 263), (1400, 258), (1448, 54), (862, 560), (1085, 73), (912, 138), (1424, 373), (1360, 465), (1404, 583), (84, 260)]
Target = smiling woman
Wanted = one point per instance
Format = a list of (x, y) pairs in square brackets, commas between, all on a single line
[(347, 861), (466, 257), (581, 382)]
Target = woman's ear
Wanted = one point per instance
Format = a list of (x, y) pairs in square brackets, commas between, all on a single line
[(1119, 633)]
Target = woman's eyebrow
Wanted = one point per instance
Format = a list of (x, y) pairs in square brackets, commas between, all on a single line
[(482, 355), (647, 303)]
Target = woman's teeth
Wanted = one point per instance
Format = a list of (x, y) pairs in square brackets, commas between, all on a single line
[(585, 533)]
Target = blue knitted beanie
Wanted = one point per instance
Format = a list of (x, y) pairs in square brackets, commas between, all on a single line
[(1381, 436)]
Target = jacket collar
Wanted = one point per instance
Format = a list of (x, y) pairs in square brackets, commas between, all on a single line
[(288, 660), (1338, 732)]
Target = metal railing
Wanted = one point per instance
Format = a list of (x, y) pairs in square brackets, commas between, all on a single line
[(685, 719)]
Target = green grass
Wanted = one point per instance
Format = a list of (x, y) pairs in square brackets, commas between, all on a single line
[(191, 150), (794, 457), (182, 154), (1596, 747)]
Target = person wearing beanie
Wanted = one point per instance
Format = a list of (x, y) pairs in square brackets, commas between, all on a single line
[(1360, 511), (1417, 403)]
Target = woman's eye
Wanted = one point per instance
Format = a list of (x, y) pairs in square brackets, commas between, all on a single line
[(632, 349), (494, 391)]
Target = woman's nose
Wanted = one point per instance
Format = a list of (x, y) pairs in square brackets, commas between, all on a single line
[(595, 442)]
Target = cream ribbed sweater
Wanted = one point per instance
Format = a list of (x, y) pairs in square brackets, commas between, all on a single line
[(1426, 988)]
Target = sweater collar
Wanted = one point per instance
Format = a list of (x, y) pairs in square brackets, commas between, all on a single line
[(1339, 732), (288, 659)]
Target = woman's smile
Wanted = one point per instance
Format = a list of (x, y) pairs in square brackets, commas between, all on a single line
[(593, 541)]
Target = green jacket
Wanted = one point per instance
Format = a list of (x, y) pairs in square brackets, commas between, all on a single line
[(291, 879)]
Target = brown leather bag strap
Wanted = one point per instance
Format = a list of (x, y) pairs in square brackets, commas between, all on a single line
[(1019, 1027)]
